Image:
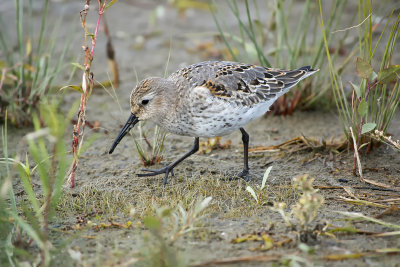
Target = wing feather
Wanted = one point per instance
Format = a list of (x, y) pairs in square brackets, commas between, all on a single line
[(237, 82)]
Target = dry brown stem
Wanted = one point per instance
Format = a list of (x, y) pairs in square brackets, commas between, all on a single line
[(87, 86)]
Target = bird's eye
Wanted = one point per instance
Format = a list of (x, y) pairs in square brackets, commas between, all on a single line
[(145, 102)]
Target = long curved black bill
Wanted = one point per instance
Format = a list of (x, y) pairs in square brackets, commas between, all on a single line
[(128, 125)]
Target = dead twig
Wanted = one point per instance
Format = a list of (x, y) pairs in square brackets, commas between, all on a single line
[(390, 210), (87, 86), (363, 202), (379, 135), (356, 255), (305, 143), (324, 187), (112, 63), (389, 187), (356, 156), (233, 260)]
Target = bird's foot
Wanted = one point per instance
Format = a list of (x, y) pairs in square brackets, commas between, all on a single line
[(244, 174), (152, 172)]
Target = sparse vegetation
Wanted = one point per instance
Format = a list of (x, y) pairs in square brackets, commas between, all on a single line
[(150, 153), (113, 217), (29, 67), (259, 197), (28, 224), (374, 101), (302, 215), (165, 229)]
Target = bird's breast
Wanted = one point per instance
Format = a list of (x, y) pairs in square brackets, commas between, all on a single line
[(211, 116)]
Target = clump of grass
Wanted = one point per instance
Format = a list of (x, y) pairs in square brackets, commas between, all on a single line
[(303, 213), (150, 153), (92, 200), (7, 202), (259, 198), (281, 193), (29, 224), (27, 75), (374, 100), (288, 47), (165, 228)]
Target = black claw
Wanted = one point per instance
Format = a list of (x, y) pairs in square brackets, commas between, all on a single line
[(170, 168), (154, 172), (244, 174), (166, 178), (167, 170)]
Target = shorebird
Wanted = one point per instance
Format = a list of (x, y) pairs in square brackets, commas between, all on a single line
[(208, 99)]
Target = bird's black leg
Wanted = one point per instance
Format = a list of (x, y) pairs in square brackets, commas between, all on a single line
[(245, 172), (169, 169)]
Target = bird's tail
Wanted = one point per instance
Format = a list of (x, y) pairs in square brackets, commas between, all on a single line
[(309, 71), (292, 77)]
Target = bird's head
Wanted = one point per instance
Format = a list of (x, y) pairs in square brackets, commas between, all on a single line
[(150, 100)]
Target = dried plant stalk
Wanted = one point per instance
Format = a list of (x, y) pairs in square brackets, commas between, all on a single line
[(87, 86)]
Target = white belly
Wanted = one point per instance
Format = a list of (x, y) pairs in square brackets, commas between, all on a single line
[(203, 115), (223, 118)]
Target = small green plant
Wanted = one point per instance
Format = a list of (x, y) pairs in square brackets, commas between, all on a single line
[(28, 74), (7, 202), (259, 195), (375, 99), (303, 213), (28, 223), (166, 228), (150, 153)]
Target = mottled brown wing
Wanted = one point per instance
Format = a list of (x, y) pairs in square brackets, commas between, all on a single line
[(243, 83)]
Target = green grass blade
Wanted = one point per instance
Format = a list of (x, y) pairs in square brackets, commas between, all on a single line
[(252, 192), (30, 30), (262, 58), (4, 141), (223, 35), (381, 35), (327, 29), (3, 37), (60, 58), (338, 91), (20, 14), (41, 37), (360, 216), (265, 177), (28, 229), (242, 36), (26, 182)]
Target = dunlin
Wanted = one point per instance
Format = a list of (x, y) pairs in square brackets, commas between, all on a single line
[(208, 99)]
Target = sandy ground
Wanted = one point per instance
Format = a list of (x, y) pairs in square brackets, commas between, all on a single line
[(102, 177)]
